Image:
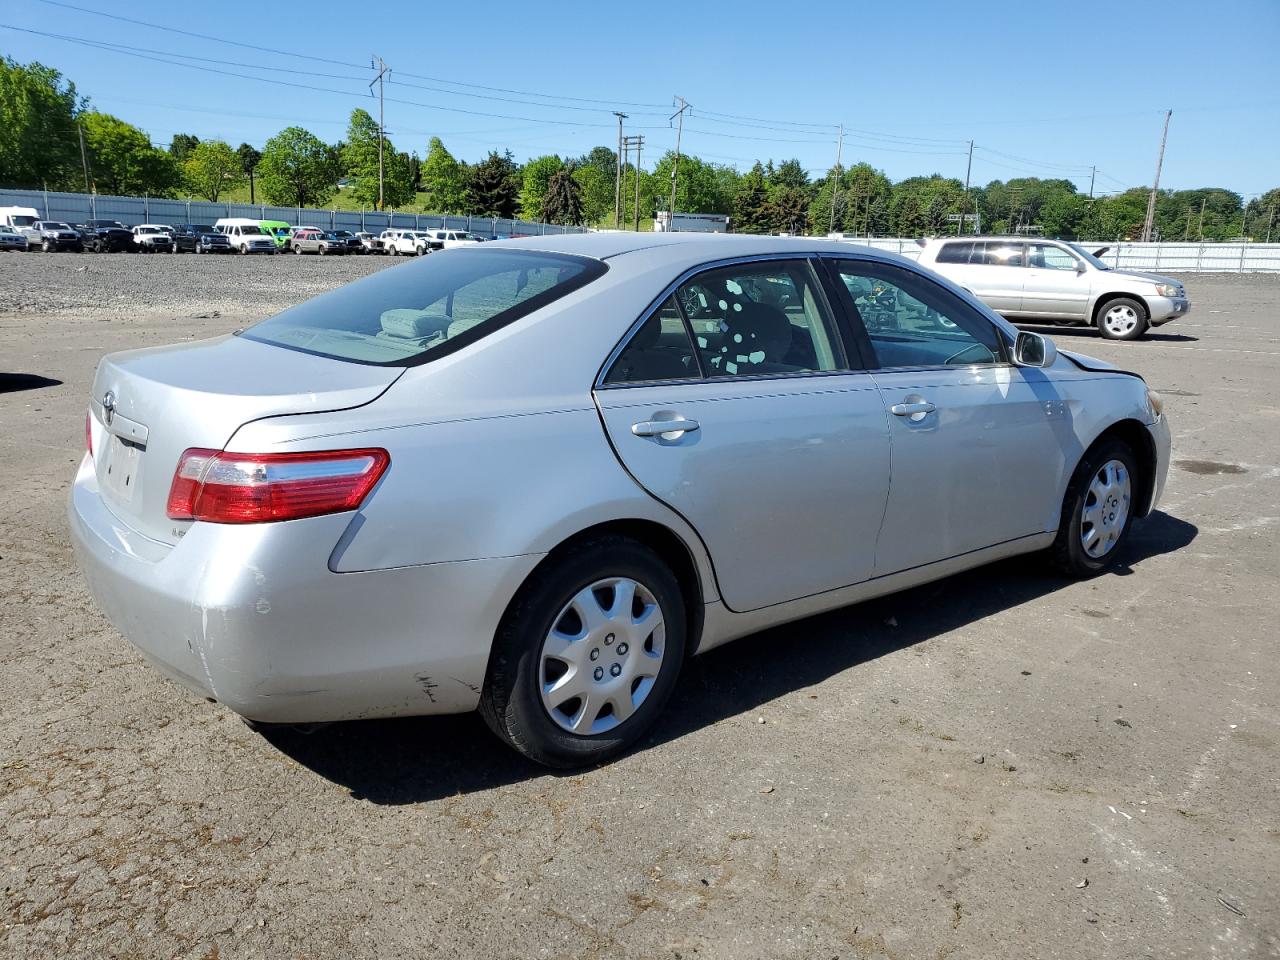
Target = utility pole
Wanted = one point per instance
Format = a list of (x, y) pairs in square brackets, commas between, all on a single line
[(1155, 187), (1270, 220), (678, 116), (627, 144), (1200, 230), (379, 65), (639, 144), (84, 159), (617, 189), (835, 182), (1093, 175), (965, 206)]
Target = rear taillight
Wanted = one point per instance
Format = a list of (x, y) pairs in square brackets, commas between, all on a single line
[(222, 487), (88, 431)]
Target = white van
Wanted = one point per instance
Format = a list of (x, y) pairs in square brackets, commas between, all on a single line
[(23, 220), (246, 235)]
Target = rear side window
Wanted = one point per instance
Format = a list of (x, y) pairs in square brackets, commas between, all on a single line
[(999, 253), (955, 253), (428, 308), (659, 350)]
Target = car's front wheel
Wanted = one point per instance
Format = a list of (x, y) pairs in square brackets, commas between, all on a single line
[(1097, 510), (1122, 319), (587, 656)]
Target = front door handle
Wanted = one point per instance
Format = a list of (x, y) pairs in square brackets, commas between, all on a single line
[(666, 429), (916, 410)]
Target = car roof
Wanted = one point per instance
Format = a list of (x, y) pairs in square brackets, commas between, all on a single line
[(998, 238), (695, 247)]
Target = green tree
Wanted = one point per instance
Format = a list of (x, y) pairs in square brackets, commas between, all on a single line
[(211, 168), (124, 161), (537, 176), (181, 145), (443, 180), (39, 143), (249, 159), (749, 209), (297, 169), (788, 209), (597, 193), (1264, 216), (493, 186), (919, 206), (1120, 217), (358, 158), (562, 203), (789, 174), (697, 187)]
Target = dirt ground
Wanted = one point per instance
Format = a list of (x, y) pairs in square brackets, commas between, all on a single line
[(999, 765)]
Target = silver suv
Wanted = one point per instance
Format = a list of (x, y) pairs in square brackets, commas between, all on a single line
[(1052, 281)]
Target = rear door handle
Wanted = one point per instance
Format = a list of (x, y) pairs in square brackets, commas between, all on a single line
[(667, 429), (916, 410)]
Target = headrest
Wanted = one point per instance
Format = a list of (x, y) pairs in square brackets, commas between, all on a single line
[(410, 324), (757, 328)]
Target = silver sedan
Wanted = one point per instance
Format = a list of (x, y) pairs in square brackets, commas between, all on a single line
[(534, 476)]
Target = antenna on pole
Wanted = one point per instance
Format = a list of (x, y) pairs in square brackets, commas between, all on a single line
[(1155, 187), (678, 116), (378, 64)]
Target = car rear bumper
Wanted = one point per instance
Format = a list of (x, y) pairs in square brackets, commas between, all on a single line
[(1164, 309), (252, 616)]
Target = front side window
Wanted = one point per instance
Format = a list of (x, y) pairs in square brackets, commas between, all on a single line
[(436, 305), (913, 322), (1048, 257), (760, 318)]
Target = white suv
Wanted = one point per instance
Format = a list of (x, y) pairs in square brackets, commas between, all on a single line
[(1052, 281), (400, 242)]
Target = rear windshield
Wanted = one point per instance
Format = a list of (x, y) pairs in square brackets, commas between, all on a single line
[(428, 308)]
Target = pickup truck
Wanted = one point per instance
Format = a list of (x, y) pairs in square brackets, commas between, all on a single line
[(51, 235), (108, 236)]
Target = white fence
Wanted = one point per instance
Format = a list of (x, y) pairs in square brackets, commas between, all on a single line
[(1155, 257)]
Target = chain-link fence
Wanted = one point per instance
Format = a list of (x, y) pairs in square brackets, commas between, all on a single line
[(79, 207)]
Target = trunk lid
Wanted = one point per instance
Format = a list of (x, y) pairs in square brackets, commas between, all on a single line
[(164, 400)]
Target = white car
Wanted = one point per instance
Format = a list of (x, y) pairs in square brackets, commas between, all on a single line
[(397, 242), (1053, 281), (153, 238), (447, 239), (246, 235)]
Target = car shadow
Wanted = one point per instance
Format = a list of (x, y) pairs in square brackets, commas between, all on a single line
[(16, 382), (418, 759), (1089, 333)]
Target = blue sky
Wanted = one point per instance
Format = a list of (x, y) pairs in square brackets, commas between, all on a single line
[(1043, 89)]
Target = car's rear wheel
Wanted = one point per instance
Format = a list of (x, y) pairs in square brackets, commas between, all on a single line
[(1122, 319), (1097, 510), (587, 656)]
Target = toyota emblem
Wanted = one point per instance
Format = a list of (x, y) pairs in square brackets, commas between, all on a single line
[(108, 407)]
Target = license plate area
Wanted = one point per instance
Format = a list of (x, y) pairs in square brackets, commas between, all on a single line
[(121, 468)]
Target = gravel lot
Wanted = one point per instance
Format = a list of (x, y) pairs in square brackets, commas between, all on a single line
[(999, 765)]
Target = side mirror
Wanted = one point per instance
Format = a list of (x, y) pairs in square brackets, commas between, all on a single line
[(1034, 350), (1080, 266)]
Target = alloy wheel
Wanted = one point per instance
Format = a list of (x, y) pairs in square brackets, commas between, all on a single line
[(602, 656), (1120, 319)]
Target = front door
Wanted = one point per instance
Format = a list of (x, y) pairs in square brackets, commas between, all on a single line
[(762, 436), (976, 452)]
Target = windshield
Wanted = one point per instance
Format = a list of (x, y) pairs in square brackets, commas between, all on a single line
[(436, 305), (55, 225), (1098, 264), (202, 228), (148, 230), (280, 231), (250, 231), (23, 221)]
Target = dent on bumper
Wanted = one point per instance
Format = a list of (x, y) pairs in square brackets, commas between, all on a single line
[(252, 616)]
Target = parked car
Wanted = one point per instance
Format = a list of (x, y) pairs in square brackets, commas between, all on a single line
[(350, 240), (279, 231), (397, 242), (199, 238), (51, 235), (152, 238), (106, 236), (371, 243), (313, 240), (23, 220), (531, 478), (11, 239), (447, 239), (1053, 281), (246, 235)]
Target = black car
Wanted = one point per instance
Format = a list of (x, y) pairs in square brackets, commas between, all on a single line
[(199, 238), (352, 242), (57, 235), (107, 236)]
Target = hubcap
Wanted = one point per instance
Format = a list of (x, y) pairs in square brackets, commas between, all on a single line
[(602, 656), (1121, 319), (1106, 508)]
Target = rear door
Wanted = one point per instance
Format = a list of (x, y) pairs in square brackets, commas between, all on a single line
[(734, 404), (1055, 287), (977, 442), (995, 274)]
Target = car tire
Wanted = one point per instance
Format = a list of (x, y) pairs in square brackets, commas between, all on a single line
[(1097, 510), (47, 247), (297, 250), (1122, 319), (531, 654)]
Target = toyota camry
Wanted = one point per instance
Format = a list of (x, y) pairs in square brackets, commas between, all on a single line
[(533, 477)]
